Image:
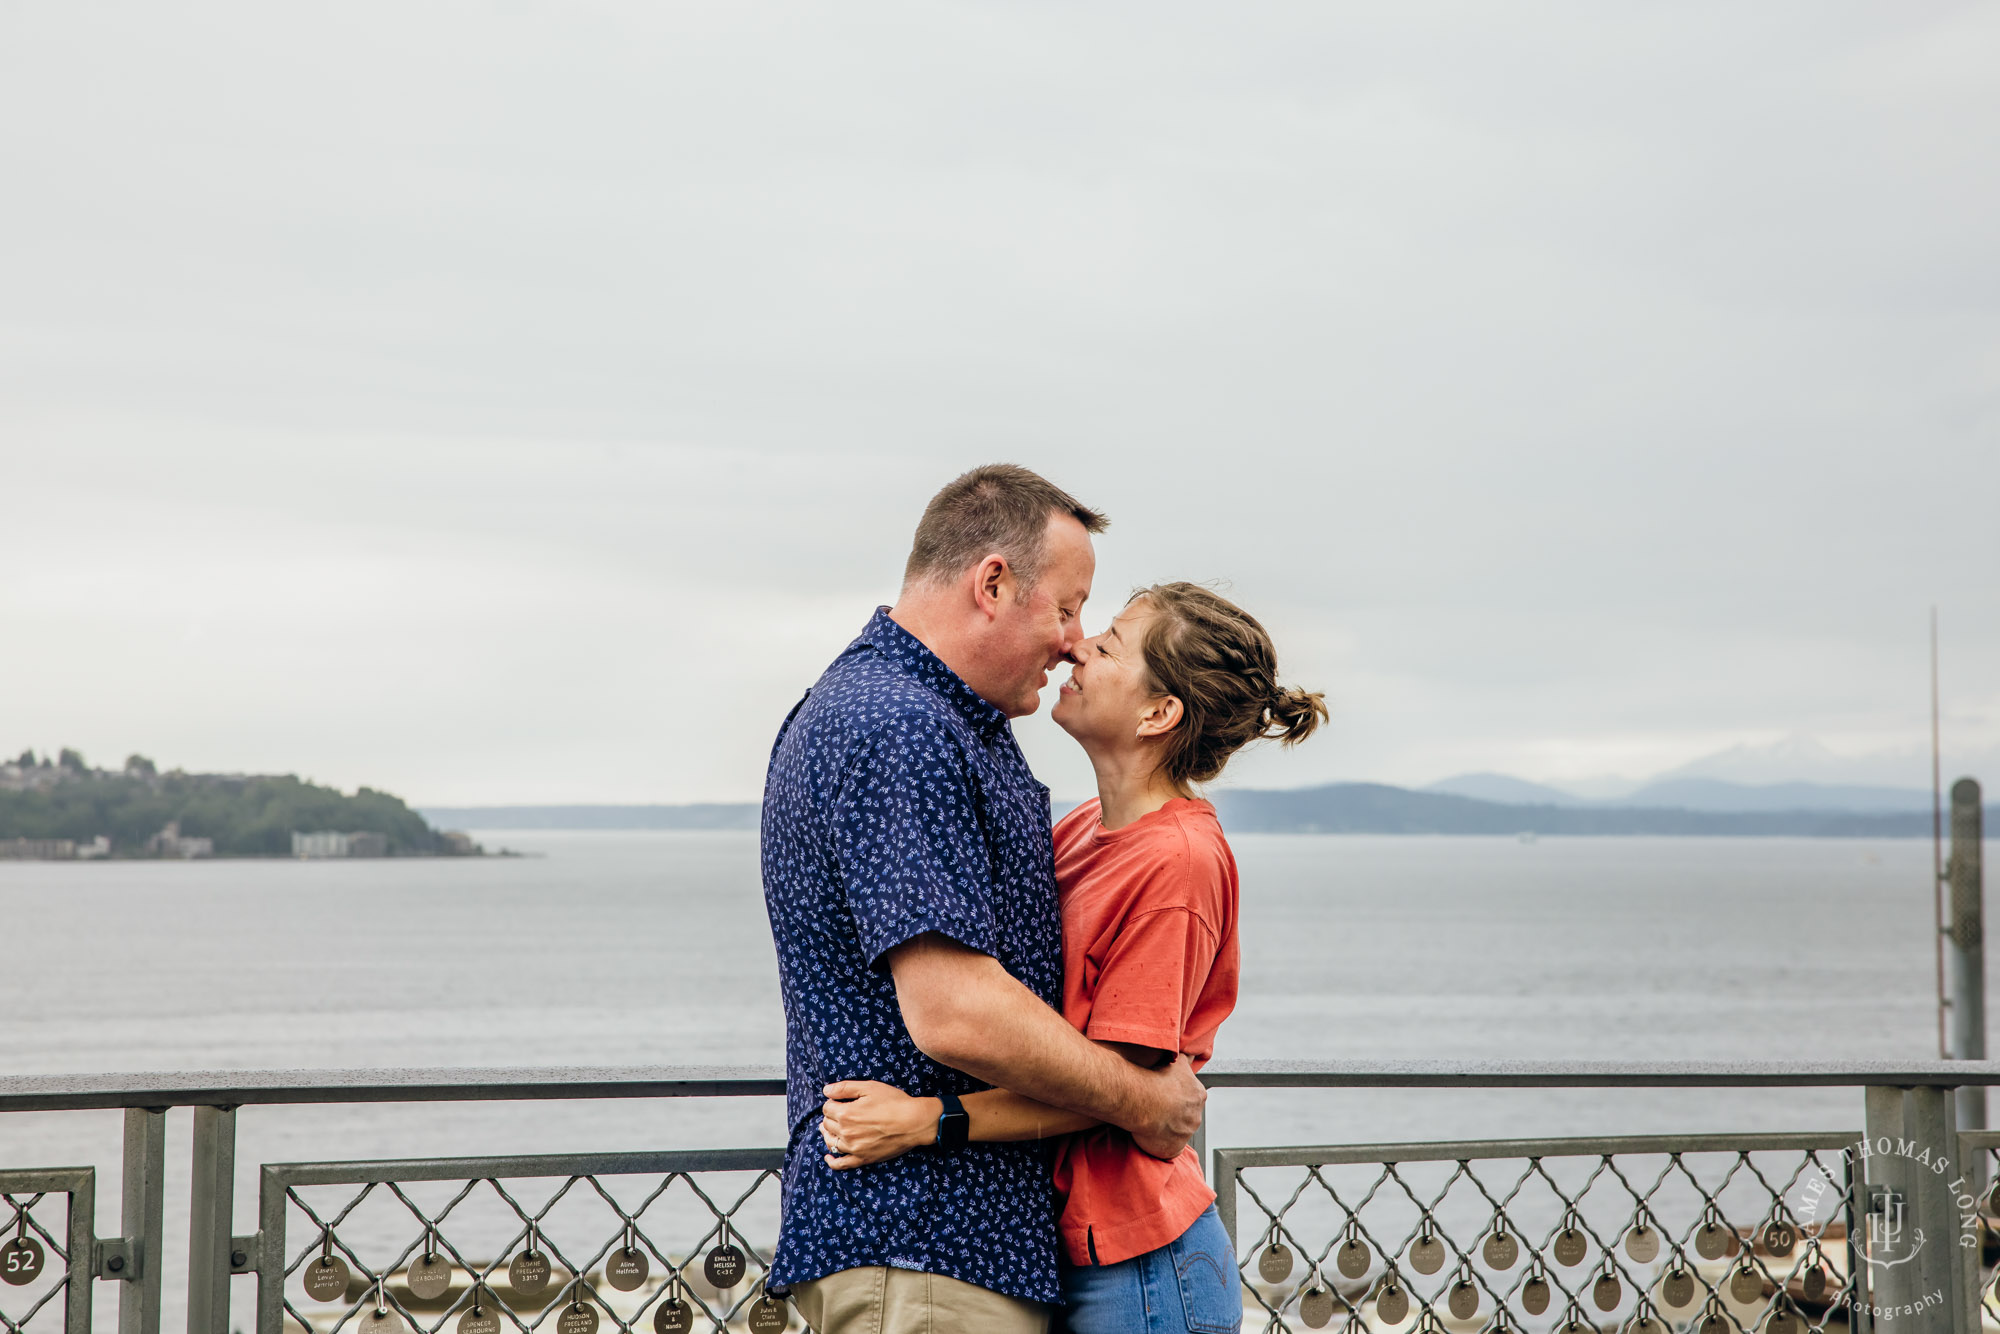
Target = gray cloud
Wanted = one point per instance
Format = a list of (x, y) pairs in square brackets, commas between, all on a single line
[(523, 402)]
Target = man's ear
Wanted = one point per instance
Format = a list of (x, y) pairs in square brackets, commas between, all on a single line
[(992, 584), (1161, 716)]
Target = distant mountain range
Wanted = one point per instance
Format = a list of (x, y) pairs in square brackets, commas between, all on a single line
[(722, 815), (1694, 794), (1514, 807)]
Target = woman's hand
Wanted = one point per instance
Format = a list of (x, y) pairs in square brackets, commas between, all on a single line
[(868, 1122)]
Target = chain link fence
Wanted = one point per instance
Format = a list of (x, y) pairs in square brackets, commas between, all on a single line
[(1705, 1234)]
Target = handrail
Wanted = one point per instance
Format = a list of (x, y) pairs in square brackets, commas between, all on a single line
[(239, 1088)]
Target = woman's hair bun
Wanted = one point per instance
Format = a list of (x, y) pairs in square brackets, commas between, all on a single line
[(1295, 713), (1218, 661)]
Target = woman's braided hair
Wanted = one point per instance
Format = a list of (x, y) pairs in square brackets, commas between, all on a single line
[(1218, 661)]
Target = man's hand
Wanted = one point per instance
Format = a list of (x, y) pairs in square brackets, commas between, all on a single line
[(1180, 1102)]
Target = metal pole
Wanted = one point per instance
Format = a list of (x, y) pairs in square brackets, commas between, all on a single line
[(80, 1239), (144, 1209), (1966, 952), (1918, 1268), (1937, 851), (211, 1197), (1860, 1283)]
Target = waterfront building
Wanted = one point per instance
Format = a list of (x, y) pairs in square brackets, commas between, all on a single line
[(328, 843), (37, 849), (169, 843)]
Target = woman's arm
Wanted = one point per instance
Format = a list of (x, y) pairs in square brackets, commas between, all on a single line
[(869, 1122)]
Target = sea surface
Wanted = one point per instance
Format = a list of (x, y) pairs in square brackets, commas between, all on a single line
[(617, 948)]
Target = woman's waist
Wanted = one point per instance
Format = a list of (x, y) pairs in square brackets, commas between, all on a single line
[(1102, 1172)]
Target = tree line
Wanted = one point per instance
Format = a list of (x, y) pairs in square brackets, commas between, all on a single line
[(247, 816)]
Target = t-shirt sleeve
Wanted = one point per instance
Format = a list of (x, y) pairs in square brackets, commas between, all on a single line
[(912, 855), (1151, 975)]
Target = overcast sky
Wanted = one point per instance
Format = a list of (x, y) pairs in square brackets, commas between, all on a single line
[(522, 402)]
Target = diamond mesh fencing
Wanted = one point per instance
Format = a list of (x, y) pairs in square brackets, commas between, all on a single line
[(1697, 1234), (34, 1261), (1986, 1145), (575, 1244), (46, 1249)]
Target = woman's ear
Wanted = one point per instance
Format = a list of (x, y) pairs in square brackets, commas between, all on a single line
[(1161, 716)]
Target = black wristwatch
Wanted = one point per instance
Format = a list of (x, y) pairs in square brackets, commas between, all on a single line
[(954, 1126)]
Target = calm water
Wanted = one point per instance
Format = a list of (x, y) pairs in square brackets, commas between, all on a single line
[(652, 947)]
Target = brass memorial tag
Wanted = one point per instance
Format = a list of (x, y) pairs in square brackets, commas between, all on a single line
[(1316, 1306), (528, 1272), (429, 1277), (1570, 1246), (724, 1266), (1392, 1304), (326, 1279), (626, 1268), (21, 1260)]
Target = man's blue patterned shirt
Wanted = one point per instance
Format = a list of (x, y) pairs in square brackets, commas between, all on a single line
[(898, 803)]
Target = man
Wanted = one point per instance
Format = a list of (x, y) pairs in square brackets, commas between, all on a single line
[(909, 876)]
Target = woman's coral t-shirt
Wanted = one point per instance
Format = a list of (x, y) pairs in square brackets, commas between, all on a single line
[(1149, 957)]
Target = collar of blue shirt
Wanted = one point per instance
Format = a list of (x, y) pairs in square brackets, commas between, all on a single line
[(906, 651)]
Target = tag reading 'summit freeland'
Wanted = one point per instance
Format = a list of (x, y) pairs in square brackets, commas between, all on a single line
[(528, 1272)]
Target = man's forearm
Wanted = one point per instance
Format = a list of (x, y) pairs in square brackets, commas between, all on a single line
[(965, 1011), (1016, 1042)]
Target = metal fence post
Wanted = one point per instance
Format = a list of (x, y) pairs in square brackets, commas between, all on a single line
[(81, 1242), (144, 1192), (1917, 1268), (1965, 953), (1223, 1179), (1861, 1289), (211, 1197)]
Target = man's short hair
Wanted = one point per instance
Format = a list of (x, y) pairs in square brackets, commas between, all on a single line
[(1000, 509)]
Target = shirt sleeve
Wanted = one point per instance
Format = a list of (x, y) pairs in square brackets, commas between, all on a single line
[(912, 854), (1150, 978)]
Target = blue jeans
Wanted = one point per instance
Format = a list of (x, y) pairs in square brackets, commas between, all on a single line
[(1188, 1286)]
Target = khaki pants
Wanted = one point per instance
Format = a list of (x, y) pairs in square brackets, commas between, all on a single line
[(876, 1299)]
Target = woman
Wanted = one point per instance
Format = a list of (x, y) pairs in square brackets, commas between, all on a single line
[(1181, 681)]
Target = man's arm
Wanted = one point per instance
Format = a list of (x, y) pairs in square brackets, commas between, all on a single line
[(965, 1011)]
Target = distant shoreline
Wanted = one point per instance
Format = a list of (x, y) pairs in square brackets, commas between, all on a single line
[(1337, 808)]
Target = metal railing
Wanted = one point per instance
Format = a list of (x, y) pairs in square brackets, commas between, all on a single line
[(1698, 1232), (1581, 1232)]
